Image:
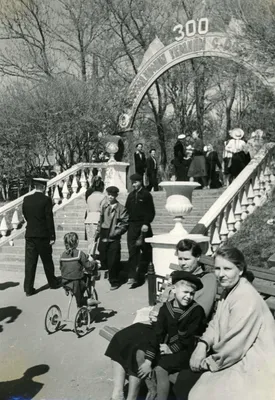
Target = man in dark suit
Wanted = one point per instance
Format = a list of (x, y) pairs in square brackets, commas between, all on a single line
[(152, 171), (140, 160), (141, 210), (39, 236)]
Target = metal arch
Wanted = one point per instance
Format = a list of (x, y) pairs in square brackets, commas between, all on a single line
[(213, 44)]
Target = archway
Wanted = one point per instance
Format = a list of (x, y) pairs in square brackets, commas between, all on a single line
[(212, 44)]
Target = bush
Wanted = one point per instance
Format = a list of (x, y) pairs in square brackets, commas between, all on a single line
[(256, 239)]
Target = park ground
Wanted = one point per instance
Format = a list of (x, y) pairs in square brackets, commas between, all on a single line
[(74, 368)]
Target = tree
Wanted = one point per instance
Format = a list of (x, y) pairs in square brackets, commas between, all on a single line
[(79, 25), (26, 46)]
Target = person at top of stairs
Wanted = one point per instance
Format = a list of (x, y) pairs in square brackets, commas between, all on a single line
[(39, 236)]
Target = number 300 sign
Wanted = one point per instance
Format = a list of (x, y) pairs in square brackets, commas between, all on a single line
[(191, 28)]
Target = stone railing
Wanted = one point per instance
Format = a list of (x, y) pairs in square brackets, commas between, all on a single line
[(249, 190), (63, 188)]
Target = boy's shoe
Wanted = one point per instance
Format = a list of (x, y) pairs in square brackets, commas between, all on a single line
[(31, 293), (114, 287), (130, 281), (93, 302)]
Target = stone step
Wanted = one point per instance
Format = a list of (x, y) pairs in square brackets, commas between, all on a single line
[(199, 210), (18, 265), (161, 203), (71, 218)]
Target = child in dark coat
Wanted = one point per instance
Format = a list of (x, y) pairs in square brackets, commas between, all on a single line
[(74, 264), (165, 346)]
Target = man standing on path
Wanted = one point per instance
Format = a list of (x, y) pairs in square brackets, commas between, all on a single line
[(141, 210), (140, 160), (152, 171), (113, 223), (40, 236)]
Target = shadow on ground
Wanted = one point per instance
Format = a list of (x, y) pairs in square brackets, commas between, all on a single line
[(7, 285), (46, 287), (25, 387), (102, 314), (10, 312)]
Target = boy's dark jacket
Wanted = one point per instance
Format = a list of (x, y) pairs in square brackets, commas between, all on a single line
[(177, 327), (119, 224)]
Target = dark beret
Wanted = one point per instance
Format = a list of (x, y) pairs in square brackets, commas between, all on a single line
[(136, 177), (186, 276), (112, 190)]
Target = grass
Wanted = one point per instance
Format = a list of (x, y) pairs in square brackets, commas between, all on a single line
[(256, 239)]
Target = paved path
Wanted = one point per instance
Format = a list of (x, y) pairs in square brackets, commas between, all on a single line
[(77, 368)]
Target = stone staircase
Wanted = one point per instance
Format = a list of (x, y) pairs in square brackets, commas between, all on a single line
[(71, 218)]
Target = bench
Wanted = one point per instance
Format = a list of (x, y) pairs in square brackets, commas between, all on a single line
[(264, 282)]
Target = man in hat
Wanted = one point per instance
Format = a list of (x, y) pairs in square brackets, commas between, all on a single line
[(39, 236), (113, 223), (179, 148), (141, 210)]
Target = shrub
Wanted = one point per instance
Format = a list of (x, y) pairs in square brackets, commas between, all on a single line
[(256, 239)]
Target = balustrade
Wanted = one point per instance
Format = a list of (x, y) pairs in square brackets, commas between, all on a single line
[(247, 192), (62, 189)]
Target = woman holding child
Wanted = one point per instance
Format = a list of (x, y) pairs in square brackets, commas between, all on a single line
[(188, 253), (235, 357)]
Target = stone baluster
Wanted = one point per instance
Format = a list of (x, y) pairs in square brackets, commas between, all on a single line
[(209, 251), (250, 199), (223, 230), (262, 179), (74, 185), (65, 191), (257, 191), (238, 214), (244, 205), (48, 191), (271, 162), (99, 172), (83, 181), (90, 176), (231, 222), (216, 240), (15, 219), (56, 196), (267, 178), (4, 226)]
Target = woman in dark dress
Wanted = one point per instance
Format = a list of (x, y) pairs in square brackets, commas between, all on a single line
[(212, 161), (197, 170), (165, 346), (182, 166)]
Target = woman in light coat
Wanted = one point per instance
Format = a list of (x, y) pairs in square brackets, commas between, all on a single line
[(94, 198), (235, 357), (239, 151)]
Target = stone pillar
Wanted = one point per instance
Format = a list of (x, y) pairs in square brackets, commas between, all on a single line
[(178, 203), (164, 252), (116, 175)]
